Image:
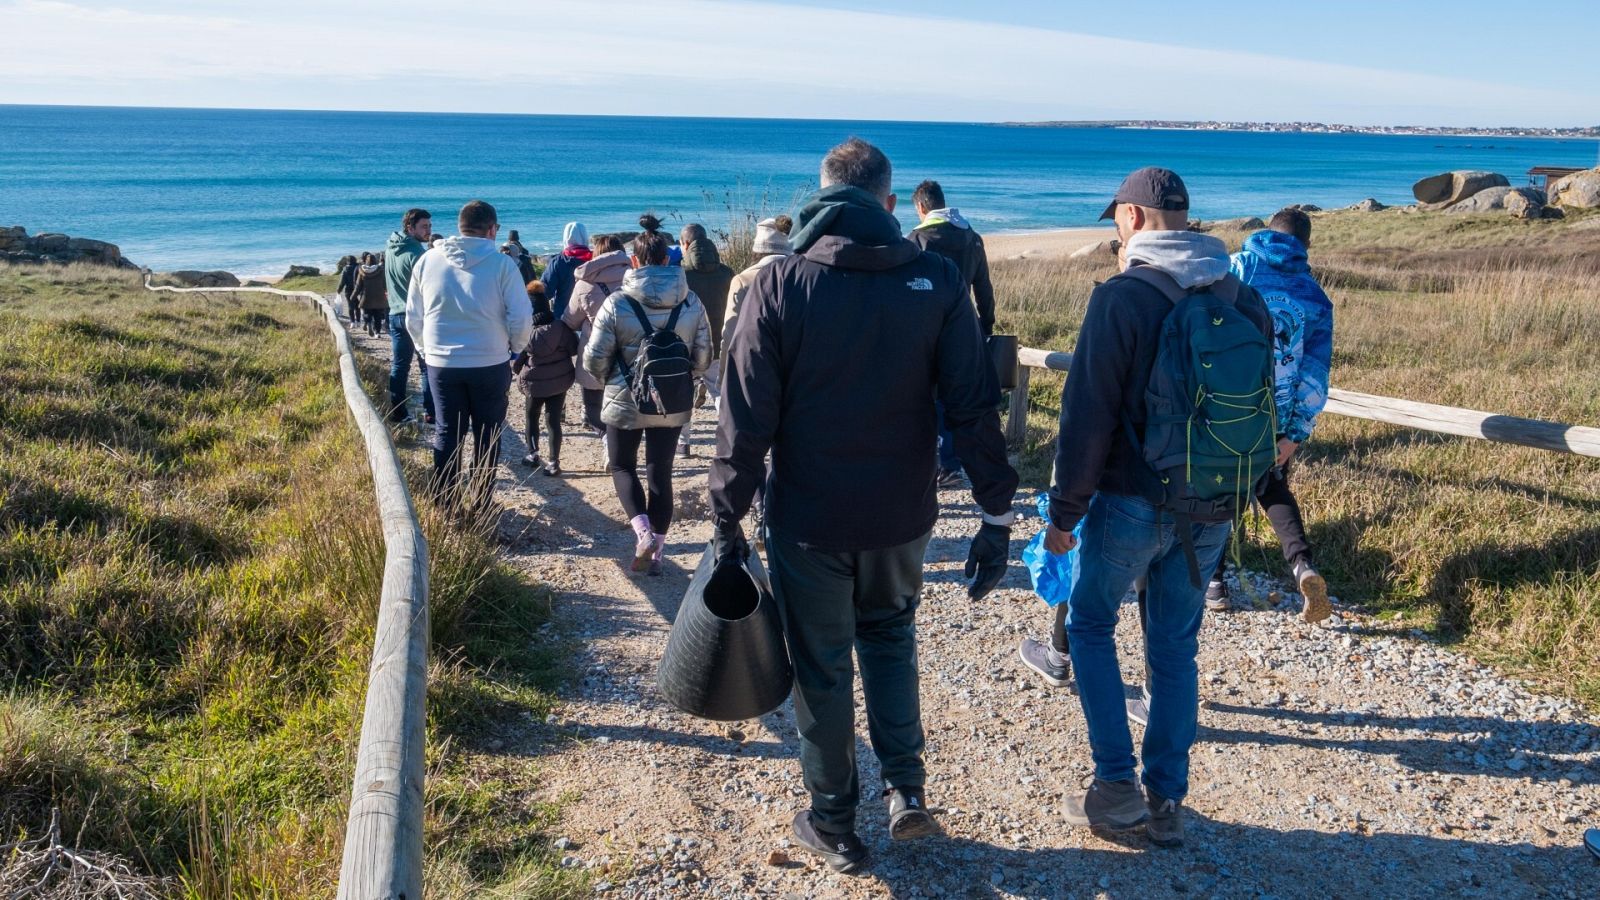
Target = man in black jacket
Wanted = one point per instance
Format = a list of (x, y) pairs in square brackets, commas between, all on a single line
[(833, 365), (1099, 479), (946, 232)]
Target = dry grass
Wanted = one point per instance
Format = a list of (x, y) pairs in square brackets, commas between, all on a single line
[(1493, 546), (191, 565)]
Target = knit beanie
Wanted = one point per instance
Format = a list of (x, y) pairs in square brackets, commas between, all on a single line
[(575, 235), (769, 240)]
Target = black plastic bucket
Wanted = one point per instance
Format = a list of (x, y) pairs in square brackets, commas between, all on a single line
[(1003, 353), (726, 659)]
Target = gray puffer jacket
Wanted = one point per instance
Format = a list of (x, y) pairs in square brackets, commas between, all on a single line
[(617, 330)]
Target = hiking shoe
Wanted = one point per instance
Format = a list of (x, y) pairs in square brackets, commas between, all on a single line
[(1217, 597), (1314, 588), (1111, 805), (1055, 669), (532, 461), (948, 478), (1139, 707), (552, 469), (1165, 828), (908, 814), (842, 852), (644, 549)]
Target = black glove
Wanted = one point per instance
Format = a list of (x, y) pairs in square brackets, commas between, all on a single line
[(991, 548), (732, 549)]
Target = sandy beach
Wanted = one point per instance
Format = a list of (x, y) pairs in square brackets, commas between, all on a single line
[(1044, 244)]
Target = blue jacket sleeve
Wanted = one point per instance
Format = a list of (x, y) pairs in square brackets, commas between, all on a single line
[(1311, 387)]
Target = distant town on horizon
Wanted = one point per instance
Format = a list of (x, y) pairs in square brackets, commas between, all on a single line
[(1592, 131)]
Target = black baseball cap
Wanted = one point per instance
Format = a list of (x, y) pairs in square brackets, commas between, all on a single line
[(1151, 186)]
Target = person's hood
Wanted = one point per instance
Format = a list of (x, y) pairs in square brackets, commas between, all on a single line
[(658, 287), (843, 211), (399, 240), (605, 268), (1283, 252), (701, 256), (1191, 258), (369, 268), (947, 216), (576, 234), (467, 252)]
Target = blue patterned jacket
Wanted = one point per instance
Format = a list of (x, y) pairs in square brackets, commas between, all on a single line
[(1302, 323)]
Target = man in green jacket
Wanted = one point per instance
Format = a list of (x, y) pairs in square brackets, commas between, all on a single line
[(405, 248)]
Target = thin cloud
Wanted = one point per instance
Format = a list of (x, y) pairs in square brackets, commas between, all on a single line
[(694, 57)]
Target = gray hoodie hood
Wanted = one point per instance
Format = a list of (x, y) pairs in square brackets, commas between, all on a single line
[(467, 252), (1192, 259), (663, 287)]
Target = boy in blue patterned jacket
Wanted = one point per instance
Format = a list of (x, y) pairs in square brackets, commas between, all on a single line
[(1274, 263)]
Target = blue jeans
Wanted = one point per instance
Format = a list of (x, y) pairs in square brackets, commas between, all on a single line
[(402, 351), (948, 461), (1123, 538), (469, 400)]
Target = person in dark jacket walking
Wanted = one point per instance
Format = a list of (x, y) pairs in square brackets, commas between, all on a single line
[(545, 371), (561, 272), (709, 279), (399, 258), (1100, 476), (946, 232), (346, 290), (850, 499), (372, 293)]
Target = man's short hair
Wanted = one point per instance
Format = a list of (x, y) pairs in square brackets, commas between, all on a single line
[(858, 164), (1292, 221), (928, 195), (476, 218), (692, 232), (412, 217)]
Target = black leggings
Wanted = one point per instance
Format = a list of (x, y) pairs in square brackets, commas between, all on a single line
[(1283, 511), (622, 461), (551, 407), (591, 408)]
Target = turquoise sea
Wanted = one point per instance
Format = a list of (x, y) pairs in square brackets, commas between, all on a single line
[(253, 191)]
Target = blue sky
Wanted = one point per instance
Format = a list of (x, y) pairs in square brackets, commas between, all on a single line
[(1363, 62)]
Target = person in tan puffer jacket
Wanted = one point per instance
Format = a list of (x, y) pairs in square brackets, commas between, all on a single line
[(597, 279)]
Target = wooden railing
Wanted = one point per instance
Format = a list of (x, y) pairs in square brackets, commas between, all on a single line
[(383, 835), (1538, 433)]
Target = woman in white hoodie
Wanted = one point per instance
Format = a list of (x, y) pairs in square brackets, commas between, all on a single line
[(659, 293)]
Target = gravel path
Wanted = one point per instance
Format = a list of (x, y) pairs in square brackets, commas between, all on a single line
[(1350, 759)]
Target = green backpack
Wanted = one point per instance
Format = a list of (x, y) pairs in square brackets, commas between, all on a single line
[(1210, 430)]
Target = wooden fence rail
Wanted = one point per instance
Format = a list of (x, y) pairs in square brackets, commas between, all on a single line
[(383, 835), (1537, 433)]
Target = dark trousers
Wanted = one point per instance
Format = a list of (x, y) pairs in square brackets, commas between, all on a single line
[(354, 304), (1283, 511), (654, 496), (468, 400), (948, 461), (401, 352), (377, 321), (550, 408), (834, 603), (591, 408)]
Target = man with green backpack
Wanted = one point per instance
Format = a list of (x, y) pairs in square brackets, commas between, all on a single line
[(1167, 426)]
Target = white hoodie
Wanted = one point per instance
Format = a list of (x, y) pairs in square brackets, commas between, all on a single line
[(467, 306)]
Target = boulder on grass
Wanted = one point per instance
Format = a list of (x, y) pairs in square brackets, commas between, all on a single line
[(50, 243), (303, 272), (1247, 223), (1453, 187), (1369, 205), (1098, 248), (13, 238), (1486, 200), (1580, 190), (193, 278), (1525, 203), (1304, 207)]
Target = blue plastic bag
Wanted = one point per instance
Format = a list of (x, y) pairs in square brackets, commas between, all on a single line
[(1053, 576)]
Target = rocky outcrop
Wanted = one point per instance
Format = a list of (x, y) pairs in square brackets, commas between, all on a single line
[(1486, 200), (1304, 207), (1580, 190), (193, 278), (1525, 203), (303, 272), (1249, 223), (1369, 205), (16, 246), (1453, 187), (1099, 248)]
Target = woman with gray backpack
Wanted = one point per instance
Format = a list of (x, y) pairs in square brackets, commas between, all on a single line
[(650, 341)]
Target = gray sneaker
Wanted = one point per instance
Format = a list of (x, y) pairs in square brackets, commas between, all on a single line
[(1314, 588), (1591, 839), (1165, 828), (1111, 805), (1039, 656), (1139, 707)]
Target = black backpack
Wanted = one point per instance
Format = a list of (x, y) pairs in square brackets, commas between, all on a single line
[(661, 378)]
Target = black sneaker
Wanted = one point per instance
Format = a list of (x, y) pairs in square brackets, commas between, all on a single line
[(842, 852), (1042, 658), (908, 814), (1217, 597), (1109, 805), (1165, 828), (948, 478)]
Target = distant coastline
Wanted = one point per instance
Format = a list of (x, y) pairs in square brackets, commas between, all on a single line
[(1592, 131)]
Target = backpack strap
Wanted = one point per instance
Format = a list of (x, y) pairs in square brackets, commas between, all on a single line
[(672, 320), (644, 318)]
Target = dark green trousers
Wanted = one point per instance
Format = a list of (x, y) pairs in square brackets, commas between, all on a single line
[(834, 603)]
